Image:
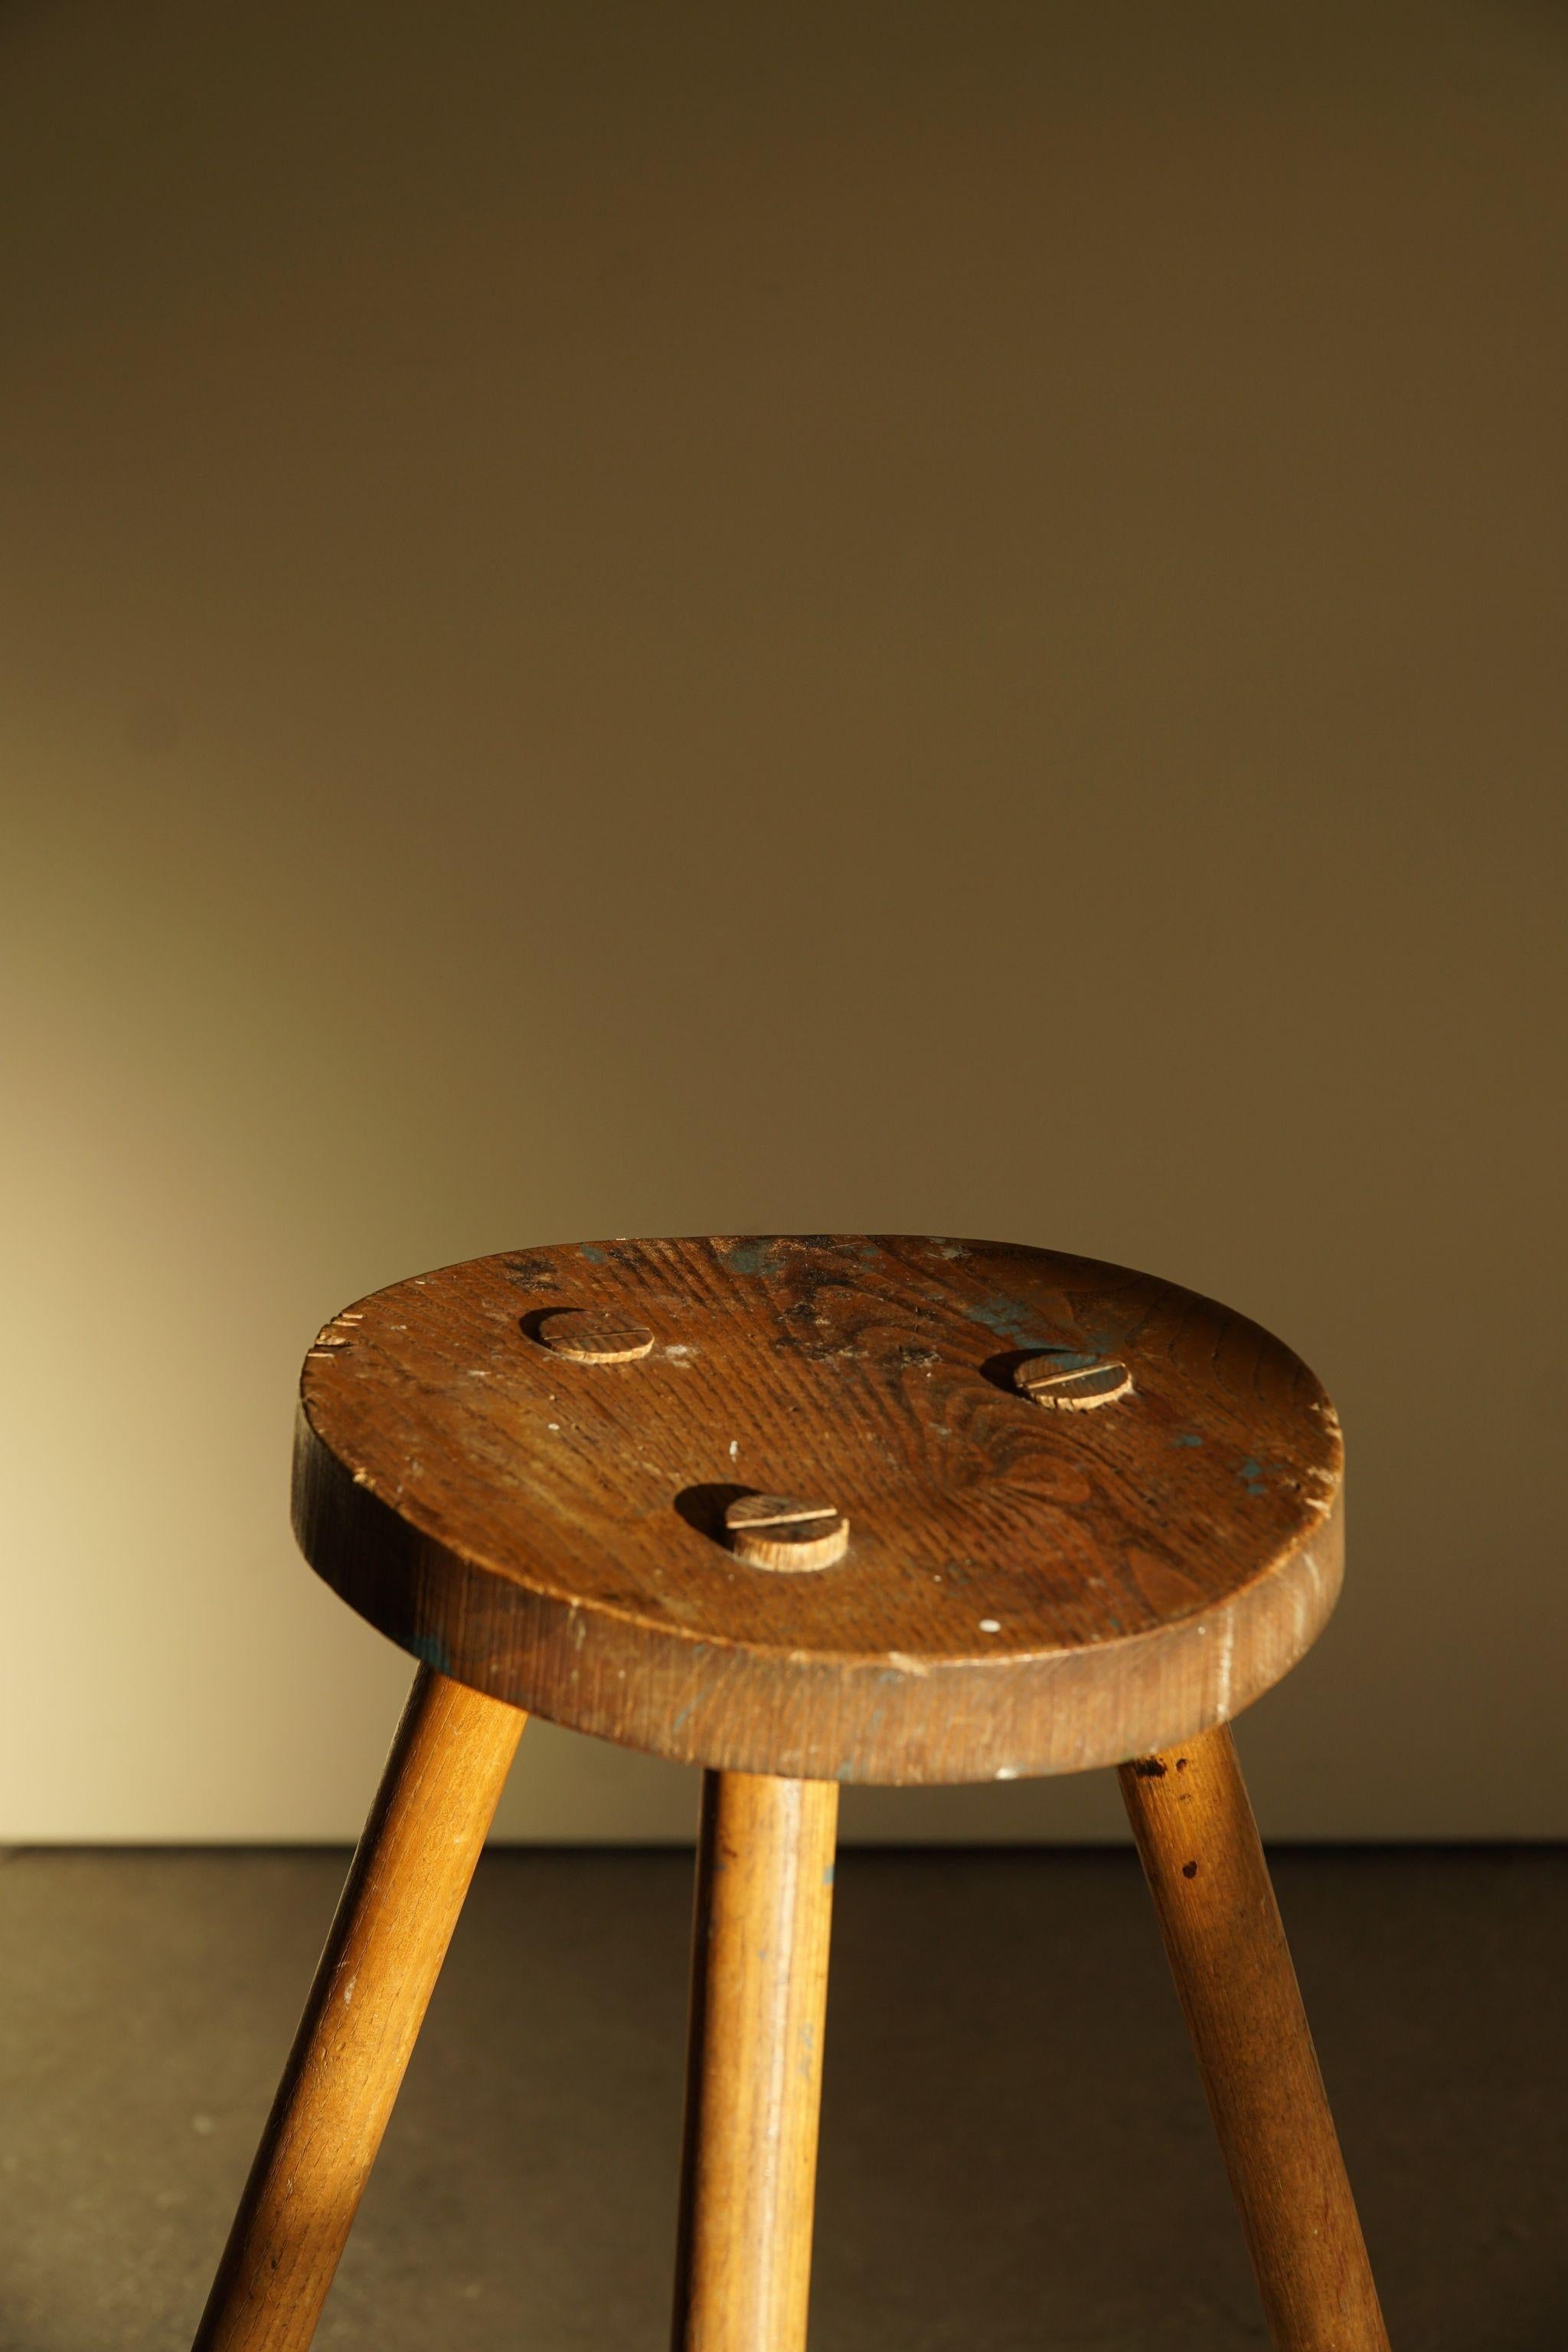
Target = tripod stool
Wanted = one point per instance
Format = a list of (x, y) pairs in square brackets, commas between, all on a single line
[(802, 1511)]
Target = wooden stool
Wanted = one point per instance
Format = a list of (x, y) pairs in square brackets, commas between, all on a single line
[(802, 1511)]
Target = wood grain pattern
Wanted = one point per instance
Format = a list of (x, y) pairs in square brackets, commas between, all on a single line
[(1024, 1592), (1228, 1952), (404, 1889), (759, 1997)]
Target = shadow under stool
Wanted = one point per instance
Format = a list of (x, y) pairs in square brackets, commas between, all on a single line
[(805, 1510)]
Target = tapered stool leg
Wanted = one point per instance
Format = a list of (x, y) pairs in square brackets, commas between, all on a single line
[(759, 1997), (404, 1889), (1228, 1952)]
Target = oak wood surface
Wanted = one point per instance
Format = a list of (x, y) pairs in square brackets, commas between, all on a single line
[(404, 1889), (1024, 1592), (1226, 1948), (759, 1999)]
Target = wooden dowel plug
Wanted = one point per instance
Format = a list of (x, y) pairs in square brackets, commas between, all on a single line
[(404, 1889), (1228, 1952), (759, 1997)]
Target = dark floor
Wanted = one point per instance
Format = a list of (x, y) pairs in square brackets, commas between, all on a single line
[(1015, 2153)]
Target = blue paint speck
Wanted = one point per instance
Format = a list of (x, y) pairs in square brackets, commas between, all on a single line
[(595, 1256), (746, 1257), (1012, 1321), (432, 1651), (1187, 1437)]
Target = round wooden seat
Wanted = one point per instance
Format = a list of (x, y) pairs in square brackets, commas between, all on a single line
[(1095, 1565)]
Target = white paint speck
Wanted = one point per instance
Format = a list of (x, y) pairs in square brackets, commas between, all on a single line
[(990, 1625), (734, 1449), (348, 1990), (553, 1425), (1006, 1771)]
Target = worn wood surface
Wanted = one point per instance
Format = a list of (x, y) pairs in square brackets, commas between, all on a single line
[(1221, 1926), (1024, 1592), (405, 1887), (759, 1997)]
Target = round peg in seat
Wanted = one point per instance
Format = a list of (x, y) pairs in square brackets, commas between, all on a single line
[(595, 1334), (1071, 1387), (775, 1531)]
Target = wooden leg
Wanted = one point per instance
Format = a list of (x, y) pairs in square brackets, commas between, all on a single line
[(404, 1889), (1228, 1952), (759, 1999)]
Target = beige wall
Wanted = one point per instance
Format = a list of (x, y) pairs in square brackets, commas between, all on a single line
[(627, 619)]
